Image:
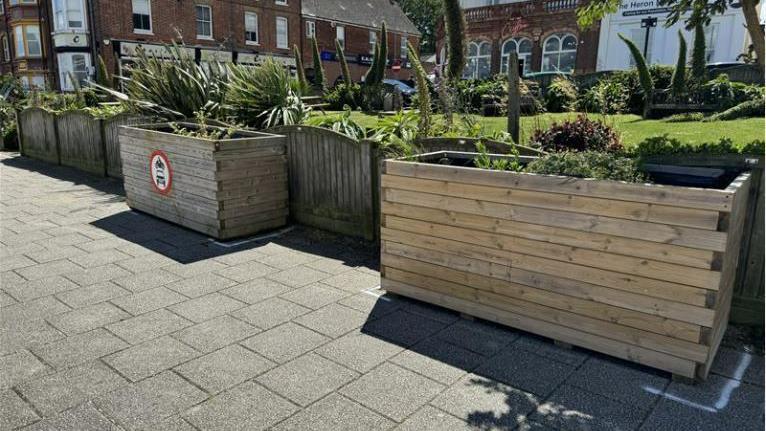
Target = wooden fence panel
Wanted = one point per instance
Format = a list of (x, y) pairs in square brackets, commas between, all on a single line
[(111, 129), (80, 142), (331, 180), (37, 135)]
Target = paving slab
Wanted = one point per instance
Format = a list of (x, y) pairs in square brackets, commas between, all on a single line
[(150, 358), (446, 363), (247, 271), (216, 333), (353, 281), (99, 274), (623, 382), (285, 342), (148, 300), (523, 370), (84, 417), (99, 258), (87, 318), (14, 412), (48, 269), (333, 320), (429, 418), (476, 336), (206, 307), (146, 280), (742, 366), (570, 408), (224, 368), (91, 294), (315, 295), (30, 290), (546, 347), (270, 313), (371, 304), (255, 291), (359, 352), (335, 413), (200, 285), (402, 327), (80, 348), (298, 276), (148, 326)]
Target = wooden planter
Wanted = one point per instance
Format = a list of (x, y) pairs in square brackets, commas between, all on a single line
[(642, 272), (226, 188)]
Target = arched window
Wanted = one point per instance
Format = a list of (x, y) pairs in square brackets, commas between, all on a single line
[(523, 46), (559, 53), (479, 60)]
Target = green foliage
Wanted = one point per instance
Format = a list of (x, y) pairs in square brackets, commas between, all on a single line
[(320, 83), (606, 97), (202, 130), (380, 74), (424, 95), (665, 145), (304, 83), (107, 110), (264, 96), (684, 117), (8, 131), (747, 109), (425, 15), (678, 82), (698, 54), (561, 95), (396, 134), (589, 164), (102, 75), (628, 81), (370, 78), (454, 25), (508, 163), (344, 96), (342, 124), (341, 54), (582, 134), (644, 76)]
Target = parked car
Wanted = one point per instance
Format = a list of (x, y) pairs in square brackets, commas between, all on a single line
[(407, 91)]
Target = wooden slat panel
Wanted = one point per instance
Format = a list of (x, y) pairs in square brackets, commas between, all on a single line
[(111, 134), (37, 135)]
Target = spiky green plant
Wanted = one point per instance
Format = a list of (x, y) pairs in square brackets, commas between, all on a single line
[(644, 77), (299, 68), (678, 81), (340, 53), (102, 75), (380, 74), (454, 22), (371, 78), (319, 79), (424, 94), (698, 54)]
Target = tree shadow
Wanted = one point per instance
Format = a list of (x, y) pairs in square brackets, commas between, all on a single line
[(65, 173)]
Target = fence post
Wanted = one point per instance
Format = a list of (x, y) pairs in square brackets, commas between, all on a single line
[(514, 96)]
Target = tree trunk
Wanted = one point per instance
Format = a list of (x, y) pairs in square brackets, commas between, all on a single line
[(514, 109), (754, 28)]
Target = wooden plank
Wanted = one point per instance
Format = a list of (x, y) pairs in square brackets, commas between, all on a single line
[(37, 135), (111, 136)]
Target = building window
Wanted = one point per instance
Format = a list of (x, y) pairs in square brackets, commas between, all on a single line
[(204, 22), (33, 82), (15, 2), (282, 32), (523, 47), (142, 16), (373, 41), (311, 29), (251, 28), (479, 60), (711, 34), (340, 34), (403, 47), (68, 15), (28, 41), (559, 53), (6, 48), (281, 2), (73, 65), (2, 6)]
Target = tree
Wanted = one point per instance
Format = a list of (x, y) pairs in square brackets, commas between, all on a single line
[(319, 80), (425, 14), (698, 54), (299, 68), (678, 81), (454, 24), (340, 53), (424, 94), (644, 77), (701, 13)]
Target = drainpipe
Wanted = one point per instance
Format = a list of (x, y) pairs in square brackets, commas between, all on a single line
[(94, 32)]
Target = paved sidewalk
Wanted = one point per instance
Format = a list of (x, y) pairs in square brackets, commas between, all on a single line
[(114, 320)]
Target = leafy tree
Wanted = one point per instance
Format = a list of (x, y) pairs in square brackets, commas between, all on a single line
[(424, 94), (701, 13), (678, 81), (319, 79), (644, 77), (299, 66), (454, 23), (339, 52), (698, 54), (425, 14)]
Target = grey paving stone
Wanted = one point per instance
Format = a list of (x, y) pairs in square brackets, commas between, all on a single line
[(306, 379), (239, 257), (403, 328), (329, 265), (99, 274), (569, 408), (432, 419), (247, 271), (523, 370), (106, 243), (80, 348), (66, 238), (151, 357), (43, 287), (200, 285), (430, 311), (359, 352), (68, 388), (216, 333), (285, 259), (84, 417), (14, 412), (486, 404), (175, 423), (248, 407), (372, 305), (270, 313), (476, 336), (99, 258), (224, 368), (6, 299), (438, 360), (87, 318), (194, 269), (149, 402), (315, 295), (26, 334), (148, 300), (619, 381), (19, 367), (145, 263), (335, 413), (546, 347), (353, 281), (44, 255), (146, 280), (16, 262), (91, 294), (48, 269), (298, 276), (739, 366), (148, 326), (392, 391), (39, 308), (255, 291), (285, 342), (333, 320), (206, 307)]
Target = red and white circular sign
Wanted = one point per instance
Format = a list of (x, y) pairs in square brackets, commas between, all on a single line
[(161, 172)]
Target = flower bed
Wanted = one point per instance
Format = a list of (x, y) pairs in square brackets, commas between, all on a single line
[(225, 187), (639, 271)]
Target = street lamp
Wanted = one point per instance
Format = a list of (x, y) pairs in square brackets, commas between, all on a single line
[(648, 23)]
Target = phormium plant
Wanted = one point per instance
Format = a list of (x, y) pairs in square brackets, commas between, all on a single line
[(581, 134)]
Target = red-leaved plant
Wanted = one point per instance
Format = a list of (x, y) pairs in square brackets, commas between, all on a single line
[(582, 134)]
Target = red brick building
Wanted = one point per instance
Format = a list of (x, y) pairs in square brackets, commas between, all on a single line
[(357, 25), (543, 32), (23, 46)]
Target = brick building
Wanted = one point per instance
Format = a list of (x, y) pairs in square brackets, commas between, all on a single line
[(357, 25), (543, 32), (23, 46)]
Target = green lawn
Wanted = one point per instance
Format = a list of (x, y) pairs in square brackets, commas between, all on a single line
[(632, 128)]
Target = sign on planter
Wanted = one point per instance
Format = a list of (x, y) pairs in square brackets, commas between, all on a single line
[(160, 172)]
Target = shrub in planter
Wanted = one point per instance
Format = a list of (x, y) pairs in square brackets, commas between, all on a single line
[(344, 95), (561, 96), (606, 97), (628, 81), (589, 164), (582, 134)]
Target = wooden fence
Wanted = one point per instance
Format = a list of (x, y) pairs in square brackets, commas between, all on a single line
[(73, 138)]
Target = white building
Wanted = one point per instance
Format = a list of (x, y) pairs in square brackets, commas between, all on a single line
[(726, 36)]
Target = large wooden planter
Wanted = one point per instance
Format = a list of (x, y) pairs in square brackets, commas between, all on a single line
[(642, 272), (225, 188)]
